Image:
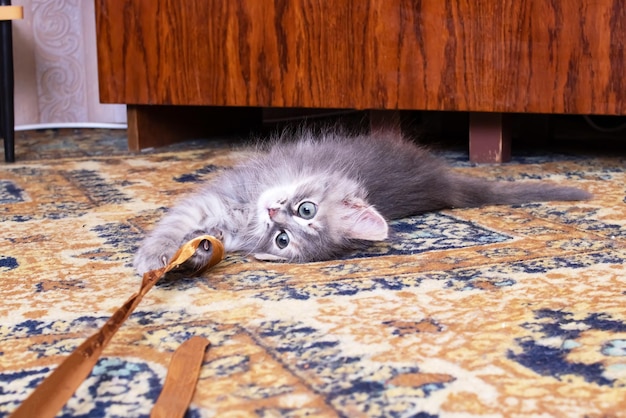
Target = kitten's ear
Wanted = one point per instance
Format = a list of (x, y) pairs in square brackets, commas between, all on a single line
[(362, 221)]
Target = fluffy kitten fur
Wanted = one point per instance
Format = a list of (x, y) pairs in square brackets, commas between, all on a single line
[(318, 197)]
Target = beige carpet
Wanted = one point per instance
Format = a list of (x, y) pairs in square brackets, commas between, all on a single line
[(499, 311)]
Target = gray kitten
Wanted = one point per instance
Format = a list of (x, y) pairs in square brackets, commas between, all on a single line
[(319, 197)]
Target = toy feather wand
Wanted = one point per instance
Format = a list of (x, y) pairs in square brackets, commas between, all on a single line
[(56, 389)]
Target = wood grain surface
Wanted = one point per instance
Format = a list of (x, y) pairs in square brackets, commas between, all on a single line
[(542, 56)]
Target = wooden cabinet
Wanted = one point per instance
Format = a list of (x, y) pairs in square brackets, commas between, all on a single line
[(484, 56)]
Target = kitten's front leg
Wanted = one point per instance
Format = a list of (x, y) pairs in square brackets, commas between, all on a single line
[(154, 254), (180, 225), (203, 254)]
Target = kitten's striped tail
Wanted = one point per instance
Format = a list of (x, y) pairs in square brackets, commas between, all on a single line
[(472, 192)]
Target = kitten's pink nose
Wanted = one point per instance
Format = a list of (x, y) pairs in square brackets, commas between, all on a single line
[(272, 212)]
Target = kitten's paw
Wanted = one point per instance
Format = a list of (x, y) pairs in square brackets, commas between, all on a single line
[(154, 254), (214, 232), (151, 256), (200, 259), (203, 254), (217, 234)]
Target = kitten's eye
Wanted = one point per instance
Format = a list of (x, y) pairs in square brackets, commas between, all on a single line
[(282, 240), (307, 210)]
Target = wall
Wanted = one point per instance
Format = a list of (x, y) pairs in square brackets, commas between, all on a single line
[(55, 63)]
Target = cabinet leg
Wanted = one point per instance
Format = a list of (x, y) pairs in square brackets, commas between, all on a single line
[(157, 126), (489, 137)]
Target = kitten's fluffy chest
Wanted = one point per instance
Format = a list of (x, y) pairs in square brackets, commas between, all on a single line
[(236, 224)]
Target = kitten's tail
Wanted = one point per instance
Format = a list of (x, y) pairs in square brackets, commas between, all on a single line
[(472, 192)]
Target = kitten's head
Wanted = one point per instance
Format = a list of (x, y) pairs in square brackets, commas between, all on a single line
[(315, 219)]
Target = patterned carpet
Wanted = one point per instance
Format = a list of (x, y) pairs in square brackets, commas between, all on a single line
[(493, 312)]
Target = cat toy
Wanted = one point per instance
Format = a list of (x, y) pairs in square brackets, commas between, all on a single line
[(54, 391)]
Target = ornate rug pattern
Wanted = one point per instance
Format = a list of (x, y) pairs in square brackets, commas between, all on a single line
[(492, 312)]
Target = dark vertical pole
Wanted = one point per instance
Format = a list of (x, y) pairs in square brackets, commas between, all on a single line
[(7, 115)]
